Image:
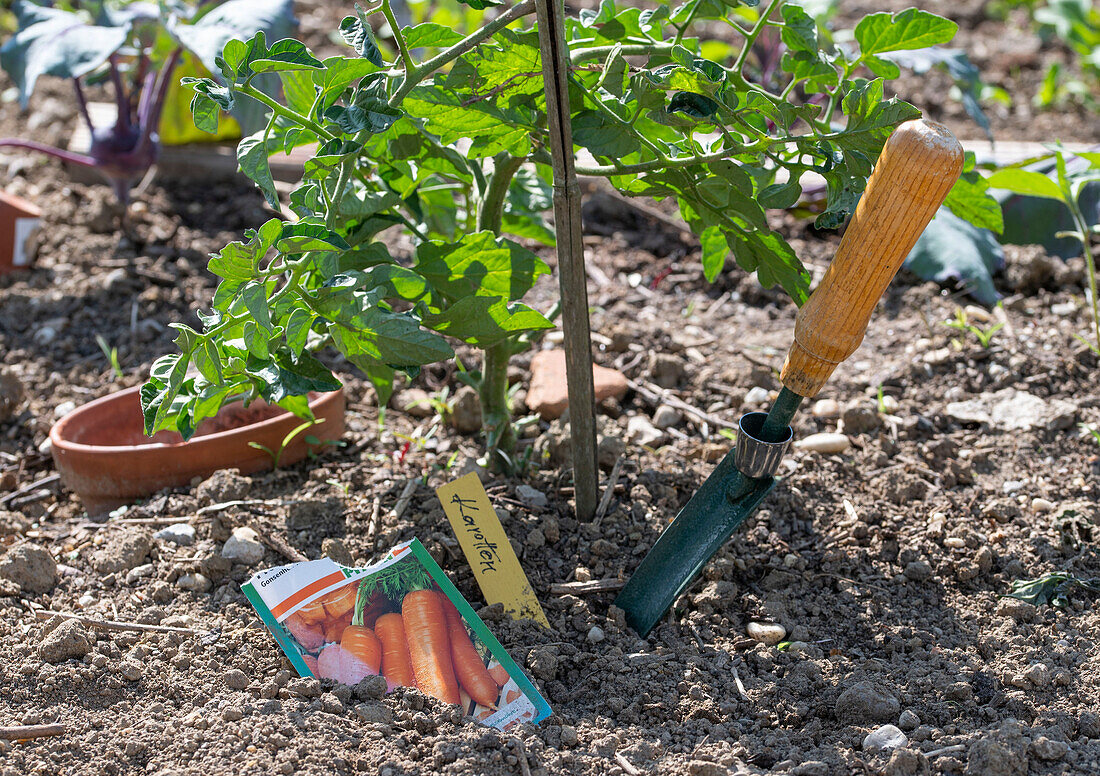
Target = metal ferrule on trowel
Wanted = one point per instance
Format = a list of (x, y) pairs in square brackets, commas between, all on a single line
[(919, 164)]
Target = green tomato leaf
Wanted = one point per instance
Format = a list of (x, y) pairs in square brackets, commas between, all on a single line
[(431, 35), (799, 30), (254, 296), (479, 264), (285, 375), (909, 29), (968, 200), (357, 33), (305, 236), (485, 320), (715, 249), (602, 136), (394, 339), (252, 158)]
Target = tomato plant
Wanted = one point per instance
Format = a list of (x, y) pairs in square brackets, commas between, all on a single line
[(444, 138)]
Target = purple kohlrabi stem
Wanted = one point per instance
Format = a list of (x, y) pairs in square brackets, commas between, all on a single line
[(57, 153), (149, 114), (82, 103), (122, 100)]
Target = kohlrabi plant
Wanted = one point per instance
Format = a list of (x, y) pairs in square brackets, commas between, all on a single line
[(442, 139), (135, 47)]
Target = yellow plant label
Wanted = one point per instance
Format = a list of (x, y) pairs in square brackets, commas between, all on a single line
[(487, 548)]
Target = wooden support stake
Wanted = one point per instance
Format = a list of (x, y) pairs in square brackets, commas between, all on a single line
[(571, 275)]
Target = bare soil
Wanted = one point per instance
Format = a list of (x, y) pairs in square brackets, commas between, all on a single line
[(885, 564)]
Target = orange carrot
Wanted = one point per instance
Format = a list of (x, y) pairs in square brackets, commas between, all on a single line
[(469, 668), (429, 647), (362, 643), (313, 613), (499, 674), (334, 629), (396, 664)]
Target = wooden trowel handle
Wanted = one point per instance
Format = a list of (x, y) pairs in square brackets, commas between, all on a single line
[(919, 164)]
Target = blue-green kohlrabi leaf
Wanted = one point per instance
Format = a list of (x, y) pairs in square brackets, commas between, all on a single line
[(953, 250), (236, 20), (51, 41)]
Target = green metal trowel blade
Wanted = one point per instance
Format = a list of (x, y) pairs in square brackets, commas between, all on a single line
[(700, 529)]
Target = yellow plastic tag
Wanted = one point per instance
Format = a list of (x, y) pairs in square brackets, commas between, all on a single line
[(487, 548)]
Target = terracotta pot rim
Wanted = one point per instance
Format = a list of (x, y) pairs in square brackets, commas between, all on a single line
[(59, 441)]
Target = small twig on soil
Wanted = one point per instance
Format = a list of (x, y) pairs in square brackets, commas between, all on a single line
[(25, 732), (46, 614), (372, 525), (521, 755), (276, 543), (609, 489), (246, 503), (661, 396), (405, 497), (626, 765), (582, 588), (47, 480), (946, 750), (737, 681)]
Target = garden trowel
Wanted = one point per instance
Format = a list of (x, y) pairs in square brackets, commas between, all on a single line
[(918, 166)]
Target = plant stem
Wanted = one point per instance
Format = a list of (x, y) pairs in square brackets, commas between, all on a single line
[(496, 416), (122, 100), (491, 211), (1090, 261), (418, 74), (398, 38), (42, 148), (281, 110), (82, 104), (632, 49), (754, 33)]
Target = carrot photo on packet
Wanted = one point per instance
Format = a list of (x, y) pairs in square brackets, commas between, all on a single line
[(401, 619)]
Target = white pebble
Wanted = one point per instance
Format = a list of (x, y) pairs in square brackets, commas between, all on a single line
[(826, 409), (595, 634), (1042, 505), (757, 395), (826, 442), (769, 633)]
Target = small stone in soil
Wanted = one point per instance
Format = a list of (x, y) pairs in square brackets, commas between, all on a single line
[(415, 402), (569, 735), (595, 634), (31, 567), (769, 633), (236, 679), (11, 394), (374, 713), (825, 443), (222, 486), (864, 702), (666, 417), (548, 395), (182, 534), (860, 417), (909, 720), (531, 497), (243, 546), (68, 640), (131, 672), (757, 396), (371, 688), (196, 583), (885, 738), (122, 552), (1038, 674), (1048, 749), (641, 432), (465, 417)]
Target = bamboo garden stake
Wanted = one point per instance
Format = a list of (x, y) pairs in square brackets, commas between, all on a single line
[(571, 275)]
